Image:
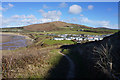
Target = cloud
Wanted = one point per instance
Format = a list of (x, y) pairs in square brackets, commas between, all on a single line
[(23, 20), (1, 8), (45, 6), (16, 16), (51, 15), (43, 20), (62, 5), (41, 11), (71, 20), (90, 7), (31, 17), (75, 9), (17, 20), (85, 20), (81, 15), (23, 17), (113, 26), (0, 19), (8, 6), (97, 23), (0, 15)]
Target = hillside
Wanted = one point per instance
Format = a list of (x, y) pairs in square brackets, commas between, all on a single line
[(97, 59), (51, 26)]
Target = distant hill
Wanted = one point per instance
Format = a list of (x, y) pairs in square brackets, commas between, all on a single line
[(51, 26), (63, 26), (102, 28)]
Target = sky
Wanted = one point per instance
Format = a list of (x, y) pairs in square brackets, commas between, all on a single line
[(92, 14)]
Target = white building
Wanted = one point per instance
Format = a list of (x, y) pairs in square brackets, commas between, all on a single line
[(100, 38), (68, 39), (58, 38), (96, 38), (91, 39)]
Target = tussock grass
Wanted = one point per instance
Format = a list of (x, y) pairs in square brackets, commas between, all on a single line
[(29, 62)]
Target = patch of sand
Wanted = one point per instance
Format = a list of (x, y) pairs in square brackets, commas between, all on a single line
[(9, 36)]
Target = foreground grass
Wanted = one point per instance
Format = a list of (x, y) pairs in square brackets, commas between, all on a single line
[(29, 62)]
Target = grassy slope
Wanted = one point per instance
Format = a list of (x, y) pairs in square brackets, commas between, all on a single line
[(29, 62), (69, 30), (36, 62), (85, 58)]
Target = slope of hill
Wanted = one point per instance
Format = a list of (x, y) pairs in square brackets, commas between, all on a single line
[(51, 26), (99, 59), (105, 55)]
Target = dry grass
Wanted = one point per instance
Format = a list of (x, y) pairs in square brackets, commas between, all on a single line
[(28, 62), (104, 59)]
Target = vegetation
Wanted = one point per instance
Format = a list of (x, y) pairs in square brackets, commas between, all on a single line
[(56, 42), (97, 59), (42, 59), (59, 27), (29, 62)]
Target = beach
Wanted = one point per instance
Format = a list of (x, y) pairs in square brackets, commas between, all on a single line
[(13, 40), (5, 37)]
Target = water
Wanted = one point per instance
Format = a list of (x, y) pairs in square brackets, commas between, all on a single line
[(14, 42)]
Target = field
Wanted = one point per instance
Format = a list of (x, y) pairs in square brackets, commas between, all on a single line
[(42, 58), (54, 42)]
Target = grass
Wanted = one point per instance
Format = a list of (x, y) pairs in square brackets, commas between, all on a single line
[(74, 32), (33, 62), (68, 31), (54, 42), (81, 70), (22, 63)]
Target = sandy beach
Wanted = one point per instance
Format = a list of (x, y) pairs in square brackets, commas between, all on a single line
[(13, 40), (8, 36)]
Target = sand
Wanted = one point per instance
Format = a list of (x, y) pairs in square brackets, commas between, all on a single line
[(9, 36), (5, 38), (14, 42)]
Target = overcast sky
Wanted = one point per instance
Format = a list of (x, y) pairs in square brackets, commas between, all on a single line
[(93, 14)]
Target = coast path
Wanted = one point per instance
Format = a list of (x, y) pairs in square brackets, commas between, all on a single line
[(71, 72)]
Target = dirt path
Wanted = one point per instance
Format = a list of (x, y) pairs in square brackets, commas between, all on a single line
[(71, 72)]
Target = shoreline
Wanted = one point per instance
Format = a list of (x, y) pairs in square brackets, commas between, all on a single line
[(7, 38), (16, 34)]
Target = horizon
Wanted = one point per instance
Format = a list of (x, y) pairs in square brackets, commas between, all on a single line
[(91, 14)]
